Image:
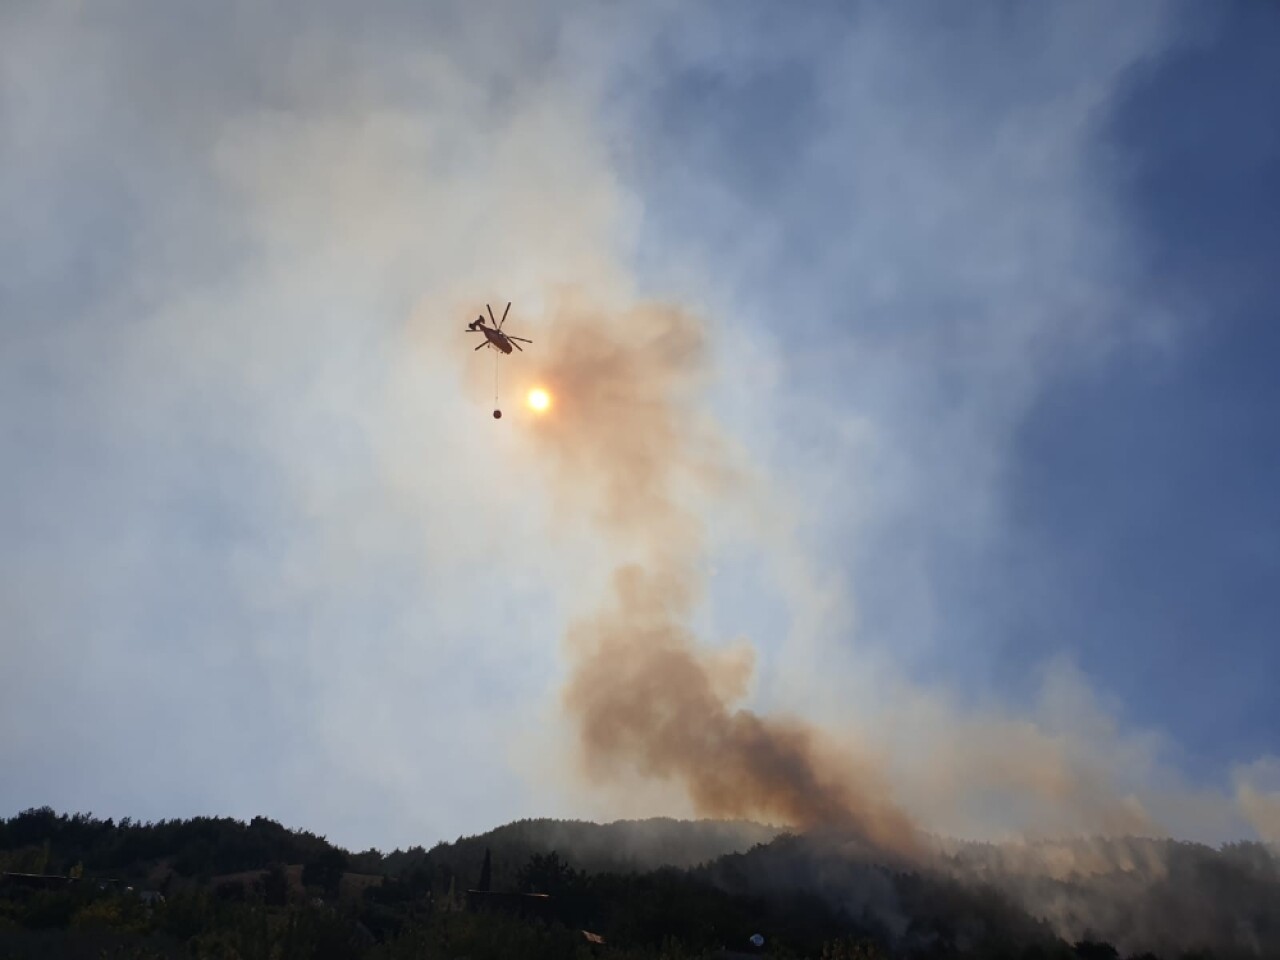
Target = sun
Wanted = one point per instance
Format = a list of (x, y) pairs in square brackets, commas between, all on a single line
[(539, 399)]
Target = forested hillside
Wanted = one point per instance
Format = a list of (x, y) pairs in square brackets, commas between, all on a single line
[(79, 886)]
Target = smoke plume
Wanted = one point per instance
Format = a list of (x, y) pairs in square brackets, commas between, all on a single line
[(645, 695)]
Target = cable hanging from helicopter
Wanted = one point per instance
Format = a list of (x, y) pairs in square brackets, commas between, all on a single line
[(495, 337)]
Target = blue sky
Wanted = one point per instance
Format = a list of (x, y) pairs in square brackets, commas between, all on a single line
[(1135, 525), (1167, 526), (991, 292)]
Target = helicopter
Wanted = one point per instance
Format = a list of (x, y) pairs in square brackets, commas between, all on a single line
[(494, 335)]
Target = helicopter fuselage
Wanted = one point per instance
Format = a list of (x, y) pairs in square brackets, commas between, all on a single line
[(494, 336), (497, 339)]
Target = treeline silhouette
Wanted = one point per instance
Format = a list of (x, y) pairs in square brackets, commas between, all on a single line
[(42, 841), (206, 887)]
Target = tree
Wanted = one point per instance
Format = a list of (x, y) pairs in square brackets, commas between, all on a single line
[(325, 871), (275, 886), (847, 949), (1095, 950), (546, 873), (486, 873)]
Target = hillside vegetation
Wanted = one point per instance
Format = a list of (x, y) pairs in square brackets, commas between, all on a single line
[(79, 886)]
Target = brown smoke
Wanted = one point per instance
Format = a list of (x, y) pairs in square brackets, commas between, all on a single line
[(623, 442)]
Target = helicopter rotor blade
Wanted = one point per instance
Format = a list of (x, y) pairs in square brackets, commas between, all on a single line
[(521, 339), (504, 315), (518, 347), (482, 346), (490, 309)]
